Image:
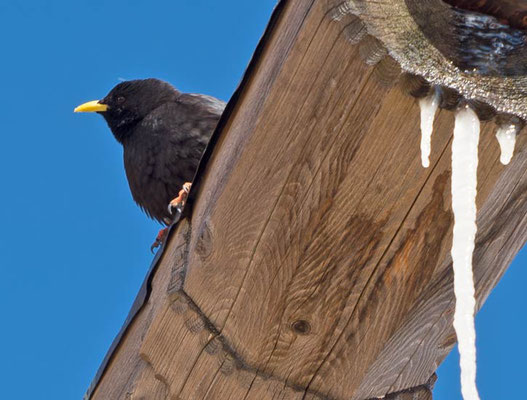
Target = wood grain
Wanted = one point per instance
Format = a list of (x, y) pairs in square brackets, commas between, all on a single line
[(316, 261), (126, 366)]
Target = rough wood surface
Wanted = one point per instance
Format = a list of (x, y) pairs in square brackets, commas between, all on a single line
[(316, 261)]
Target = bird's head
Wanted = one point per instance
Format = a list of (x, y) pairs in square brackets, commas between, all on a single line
[(129, 102)]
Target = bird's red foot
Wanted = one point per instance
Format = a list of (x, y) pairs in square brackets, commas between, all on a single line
[(160, 239), (179, 202)]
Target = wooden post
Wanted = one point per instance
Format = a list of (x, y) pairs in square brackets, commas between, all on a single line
[(315, 262)]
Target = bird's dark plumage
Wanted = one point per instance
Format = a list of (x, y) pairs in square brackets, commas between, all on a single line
[(164, 133)]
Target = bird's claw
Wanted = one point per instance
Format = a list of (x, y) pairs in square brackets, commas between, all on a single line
[(155, 245), (161, 236), (179, 202)]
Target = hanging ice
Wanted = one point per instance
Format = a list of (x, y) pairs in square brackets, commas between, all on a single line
[(506, 136), (464, 187), (428, 107)]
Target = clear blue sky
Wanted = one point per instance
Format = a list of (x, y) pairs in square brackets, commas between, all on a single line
[(64, 297)]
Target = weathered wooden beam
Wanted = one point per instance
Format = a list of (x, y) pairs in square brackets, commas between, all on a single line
[(315, 262)]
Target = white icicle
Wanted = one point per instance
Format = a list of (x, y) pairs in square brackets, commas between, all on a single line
[(506, 136), (428, 107), (464, 187)]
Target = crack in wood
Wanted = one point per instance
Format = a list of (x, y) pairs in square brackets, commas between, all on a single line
[(373, 273)]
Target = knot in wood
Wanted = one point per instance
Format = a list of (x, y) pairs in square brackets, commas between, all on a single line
[(204, 243), (301, 326)]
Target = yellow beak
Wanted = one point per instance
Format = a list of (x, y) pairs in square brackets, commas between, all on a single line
[(91, 106)]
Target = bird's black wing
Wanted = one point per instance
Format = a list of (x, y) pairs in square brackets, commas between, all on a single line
[(166, 148), (207, 104)]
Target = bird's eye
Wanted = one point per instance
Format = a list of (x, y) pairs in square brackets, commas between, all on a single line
[(120, 100)]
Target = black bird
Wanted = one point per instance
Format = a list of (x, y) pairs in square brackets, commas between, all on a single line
[(164, 133)]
